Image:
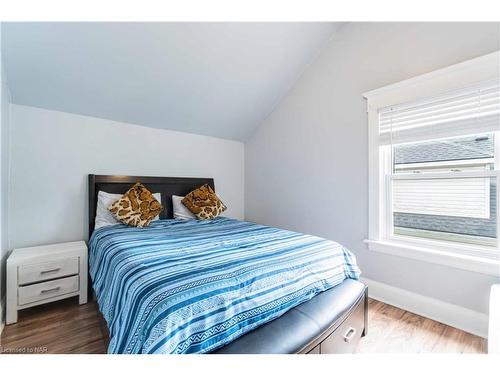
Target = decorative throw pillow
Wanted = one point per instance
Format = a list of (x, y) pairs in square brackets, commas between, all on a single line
[(137, 207), (204, 203), (103, 217)]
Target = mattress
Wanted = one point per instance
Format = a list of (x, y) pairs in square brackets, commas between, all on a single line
[(188, 286)]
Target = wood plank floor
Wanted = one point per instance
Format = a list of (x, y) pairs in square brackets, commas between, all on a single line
[(58, 327), (392, 330), (66, 327)]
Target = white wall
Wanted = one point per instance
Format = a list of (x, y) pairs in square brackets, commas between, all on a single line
[(4, 173), (53, 152), (306, 166)]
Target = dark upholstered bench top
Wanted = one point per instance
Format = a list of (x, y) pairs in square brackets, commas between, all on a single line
[(301, 325)]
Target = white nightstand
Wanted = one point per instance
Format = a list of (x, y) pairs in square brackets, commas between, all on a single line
[(42, 274)]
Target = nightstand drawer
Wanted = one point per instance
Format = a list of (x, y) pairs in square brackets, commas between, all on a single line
[(33, 273), (48, 289)]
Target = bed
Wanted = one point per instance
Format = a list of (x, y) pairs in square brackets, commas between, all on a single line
[(220, 286)]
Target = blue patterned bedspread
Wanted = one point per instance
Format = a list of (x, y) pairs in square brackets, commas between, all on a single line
[(187, 286)]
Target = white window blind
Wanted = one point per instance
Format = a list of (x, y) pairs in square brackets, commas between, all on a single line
[(467, 111)]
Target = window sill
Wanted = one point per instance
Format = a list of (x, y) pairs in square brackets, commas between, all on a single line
[(427, 254)]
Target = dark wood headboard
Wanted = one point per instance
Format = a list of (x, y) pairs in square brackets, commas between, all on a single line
[(167, 186)]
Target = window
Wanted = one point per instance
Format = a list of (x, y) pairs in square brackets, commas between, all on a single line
[(449, 209), (434, 164)]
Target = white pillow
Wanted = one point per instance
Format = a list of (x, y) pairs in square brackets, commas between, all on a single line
[(181, 211), (103, 217)]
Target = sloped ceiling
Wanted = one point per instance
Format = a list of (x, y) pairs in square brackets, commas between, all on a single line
[(218, 79)]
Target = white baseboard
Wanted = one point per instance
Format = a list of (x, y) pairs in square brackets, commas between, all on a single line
[(456, 316), (2, 322)]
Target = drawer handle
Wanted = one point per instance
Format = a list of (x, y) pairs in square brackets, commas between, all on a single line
[(50, 290), (50, 271), (349, 334)]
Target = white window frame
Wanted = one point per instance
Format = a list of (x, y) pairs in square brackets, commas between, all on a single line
[(470, 257)]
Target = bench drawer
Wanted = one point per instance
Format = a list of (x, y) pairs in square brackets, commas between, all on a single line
[(346, 337), (48, 289), (33, 273)]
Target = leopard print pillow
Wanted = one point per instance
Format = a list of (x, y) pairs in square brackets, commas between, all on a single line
[(204, 203), (137, 207)]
